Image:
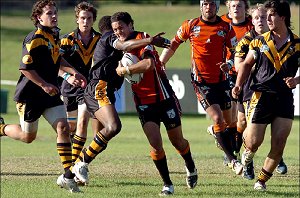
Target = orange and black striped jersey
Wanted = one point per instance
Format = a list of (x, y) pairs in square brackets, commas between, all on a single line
[(272, 64), (208, 42), (154, 87), (79, 56), (41, 54)]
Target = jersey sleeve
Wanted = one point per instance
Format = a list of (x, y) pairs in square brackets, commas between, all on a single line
[(29, 51), (183, 33), (242, 48)]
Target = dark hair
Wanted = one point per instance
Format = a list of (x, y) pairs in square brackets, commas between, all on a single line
[(85, 6), (37, 9), (122, 16), (104, 24), (282, 8)]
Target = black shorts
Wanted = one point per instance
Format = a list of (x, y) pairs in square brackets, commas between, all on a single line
[(35, 108), (264, 107), (167, 111), (98, 94), (209, 94), (71, 103)]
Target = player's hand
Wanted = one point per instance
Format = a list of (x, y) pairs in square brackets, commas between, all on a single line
[(82, 82), (159, 41), (290, 82), (236, 90), (50, 89), (224, 67), (121, 71)]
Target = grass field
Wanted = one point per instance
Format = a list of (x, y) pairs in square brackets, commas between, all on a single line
[(125, 168)]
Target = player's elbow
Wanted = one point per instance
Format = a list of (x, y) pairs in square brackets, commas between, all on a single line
[(149, 64)]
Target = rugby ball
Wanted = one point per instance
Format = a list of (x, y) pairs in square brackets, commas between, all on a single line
[(129, 59)]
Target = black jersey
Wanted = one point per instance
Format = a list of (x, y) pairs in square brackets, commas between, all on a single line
[(79, 56), (41, 54), (105, 61), (272, 64)]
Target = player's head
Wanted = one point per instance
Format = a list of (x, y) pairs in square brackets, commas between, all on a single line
[(259, 18), (238, 8), (209, 8), (104, 24), (38, 11), (122, 25), (280, 8), (85, 6)]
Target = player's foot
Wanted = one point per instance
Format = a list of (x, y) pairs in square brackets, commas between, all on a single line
[(2, 125), (237, 167), (80, 169), (260, 186), (210, 131), (247, 157), (191, 178), (281, 167), (248, 171), (78, 182), (167, 190), (68, 184)]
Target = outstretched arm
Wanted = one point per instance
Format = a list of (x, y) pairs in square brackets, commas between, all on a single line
[(168, 53), (129, 45)]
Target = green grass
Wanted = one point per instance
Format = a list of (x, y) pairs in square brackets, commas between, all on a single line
[(125, 169)]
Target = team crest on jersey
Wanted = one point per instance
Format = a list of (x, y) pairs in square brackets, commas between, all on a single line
[(196, 30), (171, 113), (143, 107), (291, 50), (221, 33), (27, 59), (264, 48), (50, 46)]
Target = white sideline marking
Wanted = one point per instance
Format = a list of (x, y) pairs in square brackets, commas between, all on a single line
[(8, 82)]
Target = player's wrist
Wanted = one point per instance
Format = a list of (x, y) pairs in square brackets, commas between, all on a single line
[(127, 70)]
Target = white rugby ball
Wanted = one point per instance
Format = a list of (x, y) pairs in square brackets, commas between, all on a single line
[(129, 59)]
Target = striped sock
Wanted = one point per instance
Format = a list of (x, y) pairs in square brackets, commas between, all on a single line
[(78, 143)]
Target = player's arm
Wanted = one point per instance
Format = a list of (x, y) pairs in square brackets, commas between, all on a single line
[(68, 73), (168, 53), (129, 45), (146, 64), (244, 72), (292, 82), (39, 81)]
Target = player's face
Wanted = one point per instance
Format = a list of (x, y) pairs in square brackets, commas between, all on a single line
[(49, 17), (209, 10), (259, 20), (122, 30), (275, 22), (237, 9), (85, 21)]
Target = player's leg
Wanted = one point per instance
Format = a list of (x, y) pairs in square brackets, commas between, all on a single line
[(280, 130), (171, 117), (57, 118), (79, 138), (26, 131)]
